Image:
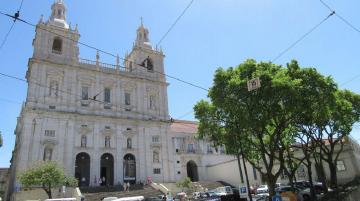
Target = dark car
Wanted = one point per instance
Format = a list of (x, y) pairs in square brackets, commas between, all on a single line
[(287, 189), (318, 187)]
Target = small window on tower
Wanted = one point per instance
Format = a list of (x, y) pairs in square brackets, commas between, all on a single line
[(85, 93), (127, 99), (152, 102), (57, 46), (107, 95)]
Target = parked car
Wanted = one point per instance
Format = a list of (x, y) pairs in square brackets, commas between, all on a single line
[(262, 189), (109, 198), (277, 185), (134, 198), (153, 199), (318, 187), (196, 195), (224, 190)]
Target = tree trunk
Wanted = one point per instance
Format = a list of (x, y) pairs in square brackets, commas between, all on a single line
[(241, 174), (309, 171), (333, 176), (271, 185), (247, 178), (291, 179), (321, 174), (48, 192)]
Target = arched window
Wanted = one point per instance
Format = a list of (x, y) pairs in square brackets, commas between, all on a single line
[(83, 141), (107, 141), (57, 46), (156, 157), (47, 154), (129, 143), (147, 63)]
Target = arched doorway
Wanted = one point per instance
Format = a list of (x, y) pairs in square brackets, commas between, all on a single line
[(192, 171), (107, 169), (129, 168), (82, 169)]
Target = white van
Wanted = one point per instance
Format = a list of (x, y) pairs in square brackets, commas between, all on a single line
[(224, 190), (109, 198), (135, 198)]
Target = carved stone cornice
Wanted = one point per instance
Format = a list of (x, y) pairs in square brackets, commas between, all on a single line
[(83, 130), (152, 90), (129, 133), (155, 145), (129, 86), (108, 131), (86, 78), (55, 73), (48, 141)]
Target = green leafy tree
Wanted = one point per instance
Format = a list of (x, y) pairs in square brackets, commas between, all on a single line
[(258, 123), (325, 118), (184, 183), (315, 97), (47, 175), (343, 114)]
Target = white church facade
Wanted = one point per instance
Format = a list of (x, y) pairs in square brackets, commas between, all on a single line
[(103, 120)]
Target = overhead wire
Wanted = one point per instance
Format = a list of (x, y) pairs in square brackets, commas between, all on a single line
[(340, 17), (351, 26), (302, 37), (7, 35), (105, 52), (16, 15), (175, 22)]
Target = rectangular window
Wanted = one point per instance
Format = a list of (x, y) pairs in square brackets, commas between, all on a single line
[(84, 93), (340, 166), (191, 148), (156, 170), (50, 133), (222, 149), (155, 139), (127, 99), (107, 95), (152, 102), (209, 149)]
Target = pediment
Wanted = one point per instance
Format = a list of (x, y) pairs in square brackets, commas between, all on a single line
[(55, 73)]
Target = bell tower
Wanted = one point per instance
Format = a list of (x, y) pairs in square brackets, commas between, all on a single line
[(143, 57), (55, 40)]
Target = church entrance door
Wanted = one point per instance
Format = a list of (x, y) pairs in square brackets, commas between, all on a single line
[(107, 169), (192, 171), (82, 168), (129, 169)]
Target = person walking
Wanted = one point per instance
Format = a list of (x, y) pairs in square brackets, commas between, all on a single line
[(128, 186), (100, 182), (103, 181), (125, 186)]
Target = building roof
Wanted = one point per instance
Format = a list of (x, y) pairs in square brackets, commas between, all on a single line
[(181, 126)]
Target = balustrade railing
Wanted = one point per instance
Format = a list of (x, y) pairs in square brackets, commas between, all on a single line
[(102, 65)]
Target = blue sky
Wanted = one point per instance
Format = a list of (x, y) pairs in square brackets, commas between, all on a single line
[(211, 34)]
